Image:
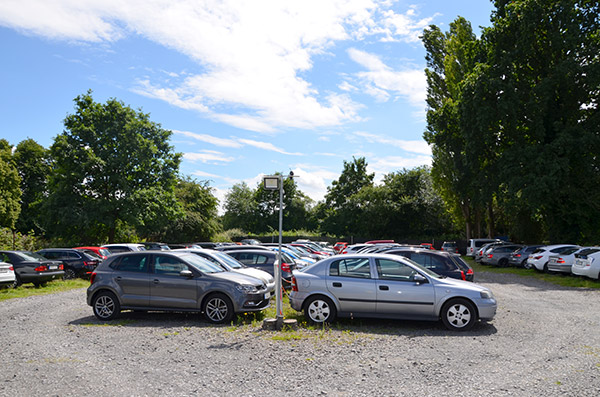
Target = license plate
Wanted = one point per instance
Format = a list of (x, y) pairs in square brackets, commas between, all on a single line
[(268, 295), (53, 267), (3, 270)]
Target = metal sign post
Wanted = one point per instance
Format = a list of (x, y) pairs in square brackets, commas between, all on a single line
[(274, 182)]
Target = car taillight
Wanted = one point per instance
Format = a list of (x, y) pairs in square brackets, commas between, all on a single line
[(285, 267), (462, 275), (560, 260), (294, 285), (41, 268), (517, 255), (490, 256), (537, 257), (12, 269), (92, 277), (470, 271), (61, 267)]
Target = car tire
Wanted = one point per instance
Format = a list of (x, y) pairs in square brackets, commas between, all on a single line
[(218, 309), (319, 309), (524, 264), (545, 268), (39, 285), (459, 315), (106, 306), (503, 262), (69, 274), (17, 281)]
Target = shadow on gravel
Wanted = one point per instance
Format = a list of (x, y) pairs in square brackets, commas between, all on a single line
[(170, 320), (150, 320)]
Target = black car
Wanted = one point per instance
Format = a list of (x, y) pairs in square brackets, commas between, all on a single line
[(77, 263), (442, 263), (264, 260), (31, 267)]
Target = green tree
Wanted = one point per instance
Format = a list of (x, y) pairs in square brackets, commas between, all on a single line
[(340, 212), (199, 219), (543, 59), (33, 162), (10, 191), (112, 166), (239, 207)]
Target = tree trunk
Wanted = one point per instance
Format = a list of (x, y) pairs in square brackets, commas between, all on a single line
[(491, 221)]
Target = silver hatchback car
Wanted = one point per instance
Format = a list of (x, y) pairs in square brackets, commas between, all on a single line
[(172, 281), (387, 286)]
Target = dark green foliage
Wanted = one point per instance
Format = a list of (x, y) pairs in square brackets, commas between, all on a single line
[(10, 192)]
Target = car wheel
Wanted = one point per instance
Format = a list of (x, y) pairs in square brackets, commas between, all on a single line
[(218, 309), (106, 306), (38, 285), (459, 315), (69, 274), (320, 309), (17, 281), (545, 269), (503, 262), (525, 265)]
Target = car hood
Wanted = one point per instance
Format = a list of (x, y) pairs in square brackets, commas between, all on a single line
[(461, 284), (256, 273), (238, 278)]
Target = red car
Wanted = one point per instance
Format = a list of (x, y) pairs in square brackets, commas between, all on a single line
[(100, 251), (429, 246), (339, 247)]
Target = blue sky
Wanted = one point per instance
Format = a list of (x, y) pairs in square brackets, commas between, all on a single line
[(247, 87)]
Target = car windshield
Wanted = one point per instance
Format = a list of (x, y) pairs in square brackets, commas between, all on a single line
[(231, 262), (202, 264), (31, 256)]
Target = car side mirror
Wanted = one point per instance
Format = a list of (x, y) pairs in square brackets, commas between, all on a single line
[(419, 279), (186, 273)]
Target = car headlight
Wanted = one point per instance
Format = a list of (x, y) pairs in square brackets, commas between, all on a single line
[(247, 289), (487, 295)]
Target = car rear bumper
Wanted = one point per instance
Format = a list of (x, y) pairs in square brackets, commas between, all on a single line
[(559, 268), (41, 277)]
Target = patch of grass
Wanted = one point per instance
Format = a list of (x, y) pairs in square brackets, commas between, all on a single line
[(51, 287), (557, 279), (114, 323)]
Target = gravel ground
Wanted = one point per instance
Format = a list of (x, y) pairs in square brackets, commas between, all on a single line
[(544, 341)]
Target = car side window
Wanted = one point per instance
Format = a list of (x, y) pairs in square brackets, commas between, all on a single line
[(73, 255), (167, 265), (430, 261), (132, 263), (392, 270), (356, 268), (4, 258), (50, 255)]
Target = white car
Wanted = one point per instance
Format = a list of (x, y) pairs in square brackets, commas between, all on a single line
[(539, 258), (563, 262), (7, 274), (587, 263)]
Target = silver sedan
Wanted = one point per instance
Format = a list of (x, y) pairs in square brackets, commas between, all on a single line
[(387, 286)]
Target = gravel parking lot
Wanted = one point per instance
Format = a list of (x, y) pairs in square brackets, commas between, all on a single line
[(544, 341)]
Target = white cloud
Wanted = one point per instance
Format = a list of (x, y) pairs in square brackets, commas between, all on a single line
[(208, 156), (231, 143), (251, 54), (419, 146), (313, 181), (267, 146), (380, 80), (204, 174), (385, 165)]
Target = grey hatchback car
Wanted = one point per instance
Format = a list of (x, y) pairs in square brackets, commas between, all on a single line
[(172, 281), (387, 286)]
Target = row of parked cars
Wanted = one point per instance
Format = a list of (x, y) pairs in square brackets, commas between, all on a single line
[(382, 280), (556, 258)]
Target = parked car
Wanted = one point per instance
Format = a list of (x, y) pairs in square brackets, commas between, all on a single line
[(339, 247), (76, 263), (124, 247), (250, 241), (450, 246), (101, 252), (562, 263), (519, 257), (443, 263), (387, 286), (240, 248), (30, 267), (587, 263), (157, 246), (538, 259), (498, 255), (7, 274), (313, 248), (476, 243), (172, 281), (231, 264), (352, 249), (428, 246), (482, 251), (265, 260)]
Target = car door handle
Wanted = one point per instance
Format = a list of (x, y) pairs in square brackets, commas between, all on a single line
[(156, 281), (118, 278), (384, 288), (337, 284)]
